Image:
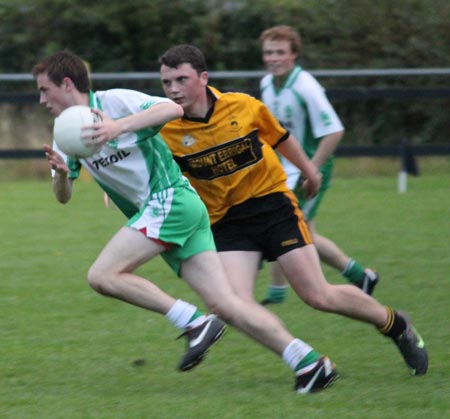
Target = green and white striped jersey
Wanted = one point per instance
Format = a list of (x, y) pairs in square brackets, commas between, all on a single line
[(303, 108), (133, 167)]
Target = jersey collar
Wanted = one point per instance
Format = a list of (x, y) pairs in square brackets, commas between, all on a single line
[(293, 76), (289, 80), (94, 101), (214, 95)]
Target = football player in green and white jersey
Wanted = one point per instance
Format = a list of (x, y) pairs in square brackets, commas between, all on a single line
[(296, 98), (166, 217)]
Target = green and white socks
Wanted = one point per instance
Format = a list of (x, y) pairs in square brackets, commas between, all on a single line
[(183, 314), (275, 294), (354, 272), (300, 357)]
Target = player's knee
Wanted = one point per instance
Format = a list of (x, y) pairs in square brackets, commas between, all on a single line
[(97, 280), (318, 301)]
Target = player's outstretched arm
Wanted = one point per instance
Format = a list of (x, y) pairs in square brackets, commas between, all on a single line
[(154, 116), (62, 185)]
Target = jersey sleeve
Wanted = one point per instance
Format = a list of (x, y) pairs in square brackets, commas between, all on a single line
[(124, 102), (265, 82), (322, 116), (269, 128)]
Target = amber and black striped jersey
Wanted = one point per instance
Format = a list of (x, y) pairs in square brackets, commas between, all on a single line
[(229, 156)]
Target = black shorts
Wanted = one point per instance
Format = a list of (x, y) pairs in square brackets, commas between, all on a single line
[(272, 224)]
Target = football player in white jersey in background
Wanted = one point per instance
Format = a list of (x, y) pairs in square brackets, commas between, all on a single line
[(296, 98)]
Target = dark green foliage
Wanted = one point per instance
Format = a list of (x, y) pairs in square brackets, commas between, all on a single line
[(121, 36), (130, 35)]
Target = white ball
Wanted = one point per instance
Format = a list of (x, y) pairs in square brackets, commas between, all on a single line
[(67, 131)]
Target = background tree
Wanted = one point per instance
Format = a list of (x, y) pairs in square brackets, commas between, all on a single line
[(119, 36)]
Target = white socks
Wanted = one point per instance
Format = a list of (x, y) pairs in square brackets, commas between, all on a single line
[(180, 313), (295, 352)]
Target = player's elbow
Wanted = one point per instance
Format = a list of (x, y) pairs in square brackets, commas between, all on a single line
[(63, 199), (340, 135), (178, 111)]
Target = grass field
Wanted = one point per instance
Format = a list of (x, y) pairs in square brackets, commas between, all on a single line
[(68, 353)]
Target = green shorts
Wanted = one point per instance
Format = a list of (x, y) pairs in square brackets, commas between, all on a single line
[(178, 218), (310, 207)]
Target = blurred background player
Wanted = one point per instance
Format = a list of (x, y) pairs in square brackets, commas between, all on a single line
[(299, 102)]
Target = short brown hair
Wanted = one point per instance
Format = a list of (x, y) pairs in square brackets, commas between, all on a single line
[(184, 54), (64, 64), (283, 33)]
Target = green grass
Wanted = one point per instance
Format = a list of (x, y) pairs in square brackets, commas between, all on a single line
[(66, 352)]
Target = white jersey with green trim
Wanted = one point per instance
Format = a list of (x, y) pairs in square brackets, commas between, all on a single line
[(135, 166), (303, 108)]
